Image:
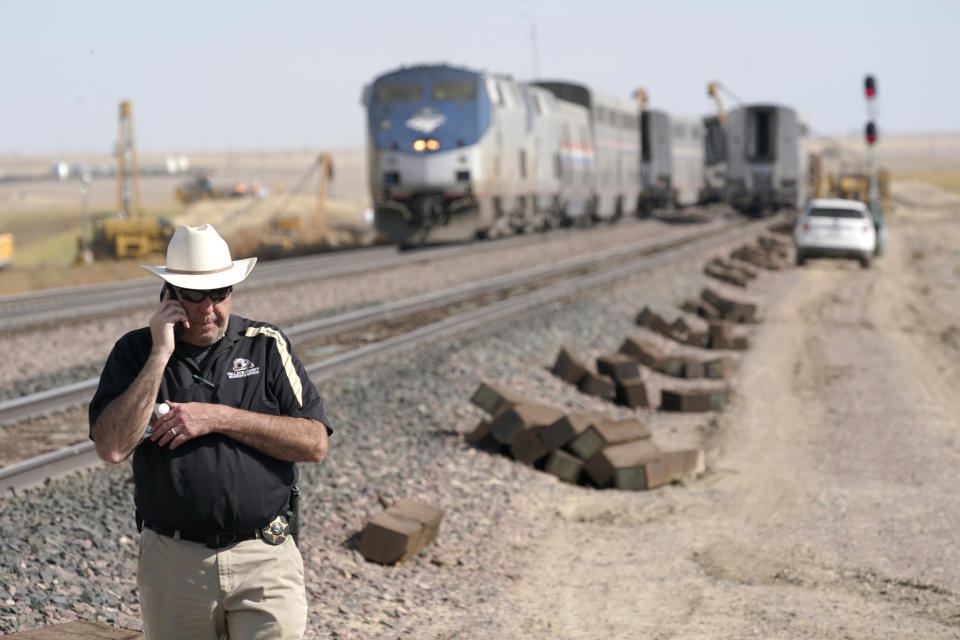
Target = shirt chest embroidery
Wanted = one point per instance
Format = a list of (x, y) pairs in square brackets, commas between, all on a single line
[(242, 368)]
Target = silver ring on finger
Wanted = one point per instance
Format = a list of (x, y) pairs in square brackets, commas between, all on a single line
[(174, 432)]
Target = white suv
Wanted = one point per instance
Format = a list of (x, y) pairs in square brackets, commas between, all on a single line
[(836, 228)]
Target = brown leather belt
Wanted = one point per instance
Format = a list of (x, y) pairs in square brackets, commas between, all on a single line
[(212, 540)]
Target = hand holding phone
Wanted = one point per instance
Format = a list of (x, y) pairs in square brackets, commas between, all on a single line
[(167, 314), (167, 294)]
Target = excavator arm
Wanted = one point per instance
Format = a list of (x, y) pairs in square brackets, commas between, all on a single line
[(713, 90)]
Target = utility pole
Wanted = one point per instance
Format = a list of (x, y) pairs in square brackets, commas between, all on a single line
[(527, 10), (85, 241), (128, 173), (325, 165), (533, 44)]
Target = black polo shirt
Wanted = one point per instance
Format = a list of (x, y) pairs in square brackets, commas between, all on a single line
[(213, 483)]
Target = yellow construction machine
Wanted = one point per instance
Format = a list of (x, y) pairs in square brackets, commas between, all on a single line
[(833, 180), (130, 238), (288, 232), (6, 250), (128, 234), (856, 186)]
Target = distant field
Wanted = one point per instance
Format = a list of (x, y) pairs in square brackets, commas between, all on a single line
[(46, 216), (949, 180)]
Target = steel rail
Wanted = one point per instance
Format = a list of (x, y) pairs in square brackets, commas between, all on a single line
[(51, 305), (30, 472), (498, 310), (51, 400)]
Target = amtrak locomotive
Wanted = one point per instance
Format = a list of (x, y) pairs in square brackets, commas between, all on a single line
[(455, 154)]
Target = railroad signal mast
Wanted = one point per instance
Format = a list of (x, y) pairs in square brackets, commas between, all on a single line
[(870, 92)]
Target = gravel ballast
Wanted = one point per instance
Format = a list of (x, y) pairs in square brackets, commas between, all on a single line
[(399, 433), (44, 357)]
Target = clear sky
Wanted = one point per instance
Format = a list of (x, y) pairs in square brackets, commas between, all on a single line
[(288, 74)]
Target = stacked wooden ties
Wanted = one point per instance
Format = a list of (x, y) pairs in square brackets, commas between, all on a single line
[(589, 448)]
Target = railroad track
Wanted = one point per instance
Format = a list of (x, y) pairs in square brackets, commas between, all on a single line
[(55, 305), (513, 293)]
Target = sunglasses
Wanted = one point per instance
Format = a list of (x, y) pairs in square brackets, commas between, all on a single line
[(196, 295)]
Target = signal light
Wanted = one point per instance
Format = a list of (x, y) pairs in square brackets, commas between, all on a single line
[(871, 133), (870, 87)]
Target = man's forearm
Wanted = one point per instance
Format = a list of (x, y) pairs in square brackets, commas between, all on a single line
[(281, 437), (121, 425)]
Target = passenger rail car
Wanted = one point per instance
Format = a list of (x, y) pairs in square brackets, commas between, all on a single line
[(672, 165), (655, 160), (456, 154), (767, 161), (614, 135)]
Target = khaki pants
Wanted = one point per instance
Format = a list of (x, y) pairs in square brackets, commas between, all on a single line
[(248, 591)]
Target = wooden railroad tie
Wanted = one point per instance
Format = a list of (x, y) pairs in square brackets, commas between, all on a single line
[(399, 533), (576, 447)]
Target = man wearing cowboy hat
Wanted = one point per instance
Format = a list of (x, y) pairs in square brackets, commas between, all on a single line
[(216, 414)]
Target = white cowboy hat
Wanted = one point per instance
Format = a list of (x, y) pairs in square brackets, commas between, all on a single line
[(198, 258)]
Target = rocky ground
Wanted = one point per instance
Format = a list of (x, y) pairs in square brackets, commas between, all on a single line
[(827, 510)]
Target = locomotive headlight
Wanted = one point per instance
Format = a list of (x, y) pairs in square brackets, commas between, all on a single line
[(433, 145), (419, 145)]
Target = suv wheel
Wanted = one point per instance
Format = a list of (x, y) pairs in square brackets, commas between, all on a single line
[(865, 261), (801, 259)]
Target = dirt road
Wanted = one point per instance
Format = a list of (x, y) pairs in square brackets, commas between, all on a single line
[(830, 506)]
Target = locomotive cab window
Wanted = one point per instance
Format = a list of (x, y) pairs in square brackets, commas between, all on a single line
[(456, 90), (399, 93)]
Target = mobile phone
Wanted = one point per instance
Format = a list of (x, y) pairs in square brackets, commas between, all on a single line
[(178, 326)]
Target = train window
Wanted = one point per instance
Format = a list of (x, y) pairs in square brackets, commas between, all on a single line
[(545, 104), (761, 129), (506, 95), (523, 163), (399, 93), (456, 90), (645, 138), (494, 91), (535, 103)]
